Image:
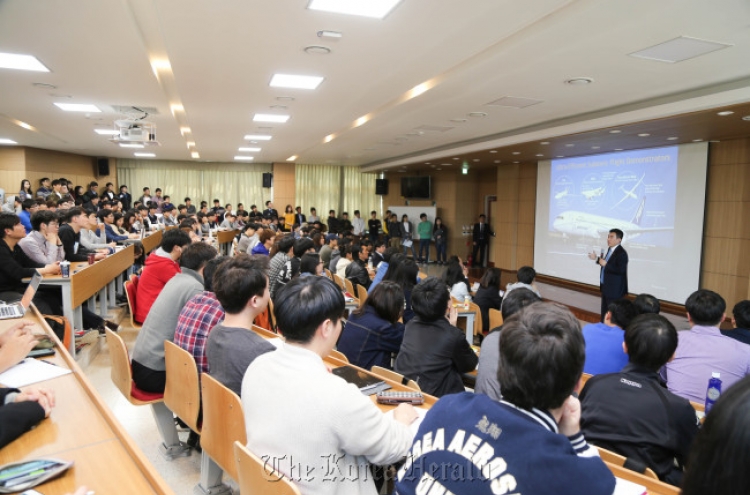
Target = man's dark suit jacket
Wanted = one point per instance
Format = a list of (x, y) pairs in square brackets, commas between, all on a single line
[(616, 274), (488, 232)]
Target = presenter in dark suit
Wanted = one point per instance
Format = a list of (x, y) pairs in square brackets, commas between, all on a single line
[(480, 240), (299, 217), (613, 274)]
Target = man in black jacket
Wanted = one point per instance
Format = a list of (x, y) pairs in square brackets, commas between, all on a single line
[(356, 271), (480, 240), (434, 353)]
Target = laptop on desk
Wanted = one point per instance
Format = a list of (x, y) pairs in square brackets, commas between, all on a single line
[(18, 309)]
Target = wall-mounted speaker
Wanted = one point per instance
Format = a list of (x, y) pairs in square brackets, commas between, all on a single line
[(381, 186), (102, 166), (267, 179)]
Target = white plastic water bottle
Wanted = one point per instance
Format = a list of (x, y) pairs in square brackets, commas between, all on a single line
[(466, 303)]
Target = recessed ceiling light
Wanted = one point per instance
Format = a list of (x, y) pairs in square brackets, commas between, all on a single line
[(746, 117), (579, 81), (185, 130), (131, 145), (317, 50), (195, 155), (697, 140), (176, 107), (427, 163), (365, 8), (544, 143), (7, 141), (540, 154), (516, 152), (595, 147), (190, 144), (456, 158), (644, 134), (515, 162), (569, 145), (24, 125), (432, 166), (497, 161), (493, 151), (291, 158), (258, 137), (475, 160), (269, 117), (673, 138), (615, 131), (446, 164), (106, 132), (246, 158), (459, 121), (725, 113), (78, 107), (249, 150), (477, 114), (295, 81), (21, 62), (145, 155)]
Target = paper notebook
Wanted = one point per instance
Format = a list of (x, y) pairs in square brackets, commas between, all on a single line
[(30, 371)]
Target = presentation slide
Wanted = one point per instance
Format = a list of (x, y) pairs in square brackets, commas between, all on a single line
[(655, 196)]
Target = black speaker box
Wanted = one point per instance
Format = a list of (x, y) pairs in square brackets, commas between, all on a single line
[(102, 166), (267, 179), (381, 186)]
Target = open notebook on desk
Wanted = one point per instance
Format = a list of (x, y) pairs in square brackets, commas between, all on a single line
[(30, 371)]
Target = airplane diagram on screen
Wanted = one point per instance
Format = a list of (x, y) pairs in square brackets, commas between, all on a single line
[(630, 193), (579, 223), (593, 193), (561, 194)]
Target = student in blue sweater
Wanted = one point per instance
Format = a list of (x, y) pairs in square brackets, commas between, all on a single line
[(530, 442)]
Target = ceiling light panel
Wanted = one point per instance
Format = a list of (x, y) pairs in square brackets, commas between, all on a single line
[(107, 132), (243, 158), (258, 137), (270, 117), (249, 150), (7, 141), (78, 107), (366, 8), (679, 49), (145, 155), (21, 62), (295, 81)]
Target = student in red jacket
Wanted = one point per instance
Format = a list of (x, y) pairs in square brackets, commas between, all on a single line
[(161, 265)]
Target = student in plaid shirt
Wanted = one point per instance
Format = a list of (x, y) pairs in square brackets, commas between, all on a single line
[(199, 316)]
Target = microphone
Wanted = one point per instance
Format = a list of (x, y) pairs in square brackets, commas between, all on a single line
[(602, 255)]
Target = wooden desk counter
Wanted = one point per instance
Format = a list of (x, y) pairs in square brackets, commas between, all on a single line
[(152, 241), (83, 429)]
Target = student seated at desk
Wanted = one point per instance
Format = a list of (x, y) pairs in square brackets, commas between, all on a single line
[(148, 353), (161, 265), (93, 236), (20, 411), (632, 413), (295, 409), (529, 443), (488, 295), (434, 353), (373, 331), (108, 217), (455, 278), (604, 340), (241, 286)]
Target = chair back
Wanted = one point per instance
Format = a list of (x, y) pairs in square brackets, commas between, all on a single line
[(182, 393), (338, 355), (619, 460), (477, 318), (584, 378), (361, 294), (258, 477), (496, 318), (131, 286), (396, 377), (350, 287), (328, 272), (121, 373), (223, 424), (339, 281)]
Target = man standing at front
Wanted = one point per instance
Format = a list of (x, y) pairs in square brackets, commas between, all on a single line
[(480, 240), (613, 275)]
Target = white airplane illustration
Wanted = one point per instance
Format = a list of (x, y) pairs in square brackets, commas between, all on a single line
[(629, 194), (561, 194), (593, 193), (583, 224)]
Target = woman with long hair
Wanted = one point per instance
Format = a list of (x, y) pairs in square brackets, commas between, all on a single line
[(289, 218), (488, 295), (310, 265), (455, 278), (404, 272), (440, 236), (25, 192), (373, 331)]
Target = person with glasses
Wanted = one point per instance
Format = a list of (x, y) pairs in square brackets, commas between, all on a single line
[(42, 244)]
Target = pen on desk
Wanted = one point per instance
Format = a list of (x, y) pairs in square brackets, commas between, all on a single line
[(50, 362)]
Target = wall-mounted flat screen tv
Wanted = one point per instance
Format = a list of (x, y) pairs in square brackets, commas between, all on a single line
[(416, 187)]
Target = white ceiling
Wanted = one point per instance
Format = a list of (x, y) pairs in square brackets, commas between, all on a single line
[(224, 52)]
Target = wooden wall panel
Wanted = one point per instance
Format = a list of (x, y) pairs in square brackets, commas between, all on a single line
[(12, 169), (284, 188)]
